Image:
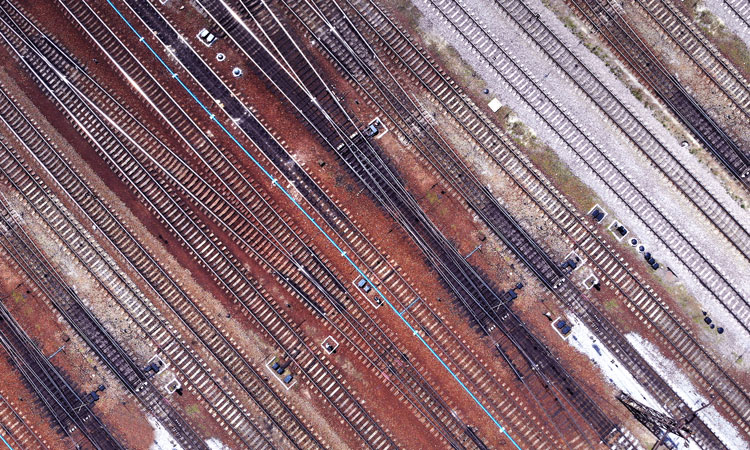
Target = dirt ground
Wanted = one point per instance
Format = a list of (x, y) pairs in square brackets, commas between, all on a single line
[(120, 411), (116, 408)]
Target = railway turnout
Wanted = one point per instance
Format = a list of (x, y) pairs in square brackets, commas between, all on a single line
[(227, 216)]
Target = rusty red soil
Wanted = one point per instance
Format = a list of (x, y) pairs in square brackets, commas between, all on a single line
[(373, 387), (362, 209), (12, 386), (460, 227), (608, 300), (199, 417), (342, 187), (310, 142), (299, 139), (116, 408)]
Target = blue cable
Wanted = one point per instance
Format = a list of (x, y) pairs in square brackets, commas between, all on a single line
[(5, 442), (274, 182)]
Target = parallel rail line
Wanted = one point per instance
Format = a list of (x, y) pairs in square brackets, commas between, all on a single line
[(593, 157), (188, 312), (627, 121), (67, 408), (741, 9), (291, 274), (218, 93), (304, 267), (430, 322), (16, 430), (104, 346), (688, 37), (385, 188), (246, 45), (645, 304), (170, 345), (625, 42), (117, 146), (219, 404)]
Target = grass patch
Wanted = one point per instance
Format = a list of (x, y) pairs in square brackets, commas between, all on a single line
[(518, 129), (193, 410), (546, 160), (690, 7), (558, 172), (615, 69), (17, 297), (726, 41), (598, 51), (457, 67), (410, 14), (637, 93), (571, 24), (740, 201)]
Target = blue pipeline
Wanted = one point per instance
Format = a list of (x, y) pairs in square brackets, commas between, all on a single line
[(6, 442), (275, 183)]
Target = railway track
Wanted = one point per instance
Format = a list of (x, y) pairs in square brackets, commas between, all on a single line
[(186, 310), (593, 156), (206, 248), (649, 375), (741, 9), (444, 258), (170, 345), (430, 321), (227, 101), (688, 38), (68, 409), (627, 121), (392, 368), (66, 301), (15, 430), (570, 224), (385, 358), (150, 397), (651, 312), (645, 304), (607, 20)]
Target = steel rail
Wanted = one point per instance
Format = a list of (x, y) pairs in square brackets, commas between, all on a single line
[(637, 305), (477, 210), (290, 197), (17, 437), (251, 246), (627, 121), (166, 220), (666, 87), (56, 228)]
